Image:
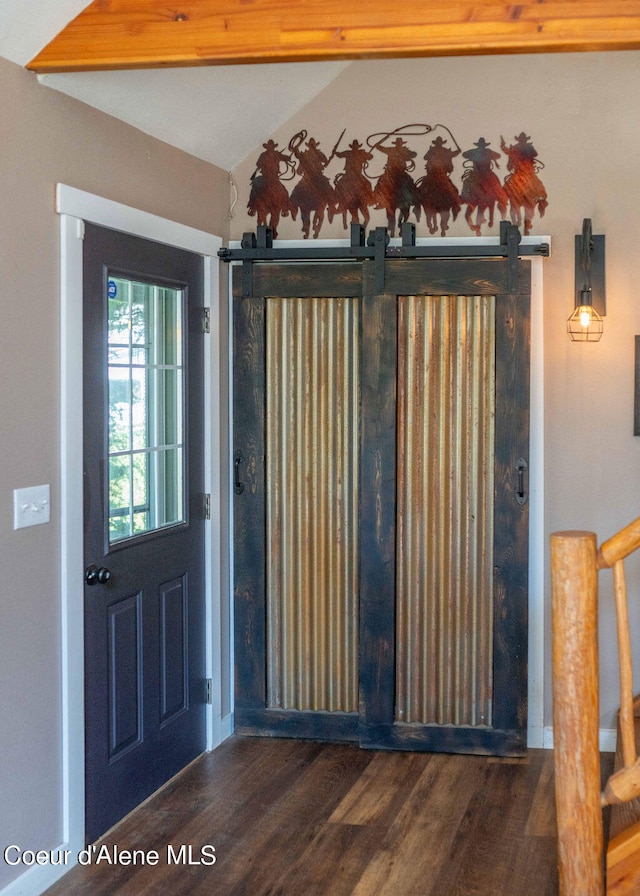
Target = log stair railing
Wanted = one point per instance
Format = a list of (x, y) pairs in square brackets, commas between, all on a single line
[(623, 850), (586, 867)]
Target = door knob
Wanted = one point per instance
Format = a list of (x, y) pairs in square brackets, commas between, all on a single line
[(96, 576)]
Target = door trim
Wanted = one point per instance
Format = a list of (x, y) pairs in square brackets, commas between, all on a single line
[(535, 729), (75, 207)]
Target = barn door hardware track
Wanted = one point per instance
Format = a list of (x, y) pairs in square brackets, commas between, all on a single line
[(258, 247)]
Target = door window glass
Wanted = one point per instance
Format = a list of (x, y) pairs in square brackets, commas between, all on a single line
[(146, 407)]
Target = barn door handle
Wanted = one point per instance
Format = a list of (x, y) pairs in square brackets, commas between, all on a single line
[(238, 486), (521, 494)]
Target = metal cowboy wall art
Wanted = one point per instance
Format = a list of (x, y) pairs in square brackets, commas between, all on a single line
[(323, 189)]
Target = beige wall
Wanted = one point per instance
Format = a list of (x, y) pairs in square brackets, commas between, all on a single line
[(46, 138), (582, 116)]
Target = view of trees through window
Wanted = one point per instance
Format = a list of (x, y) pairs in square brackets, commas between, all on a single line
[(145, 363)]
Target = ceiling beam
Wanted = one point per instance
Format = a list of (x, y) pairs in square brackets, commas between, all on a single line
[(116, 34)]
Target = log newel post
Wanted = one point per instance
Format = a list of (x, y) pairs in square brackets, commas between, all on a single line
[(576, 713)]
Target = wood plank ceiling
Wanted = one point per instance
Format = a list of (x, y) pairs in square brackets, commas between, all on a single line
[(118, 34)]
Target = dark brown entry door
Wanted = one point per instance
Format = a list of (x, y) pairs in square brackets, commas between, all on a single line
[(381, 516), (143, 519)]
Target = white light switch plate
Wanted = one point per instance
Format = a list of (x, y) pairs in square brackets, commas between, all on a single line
[(31, 506)]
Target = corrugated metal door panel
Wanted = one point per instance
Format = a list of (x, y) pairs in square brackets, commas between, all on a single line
[(446, 420), (312, 427)]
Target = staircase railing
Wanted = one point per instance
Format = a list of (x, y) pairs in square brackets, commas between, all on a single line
[(575, 561)]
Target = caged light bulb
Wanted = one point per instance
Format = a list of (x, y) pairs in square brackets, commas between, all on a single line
[(585, 316)]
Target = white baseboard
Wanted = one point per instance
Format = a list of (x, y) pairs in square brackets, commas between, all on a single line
[(535, 737), (38, 878), (226, 729), (607, 739)]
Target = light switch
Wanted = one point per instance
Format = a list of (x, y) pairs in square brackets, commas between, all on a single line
[(31, 506)]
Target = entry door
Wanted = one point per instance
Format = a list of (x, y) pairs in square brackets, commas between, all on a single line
[(143, 520), (381, 504)]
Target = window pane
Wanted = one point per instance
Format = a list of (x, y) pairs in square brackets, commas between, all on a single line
[(119, 354), (119, 410), (139, 407), (119, 497), (146, 396), (140, 312), (173, 484), (119, 314), (140, 522), (139, 355), (172, 387), (140, 470), (172, 347)]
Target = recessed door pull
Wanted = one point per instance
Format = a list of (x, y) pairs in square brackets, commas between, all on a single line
[(238, 486), (521, 494)]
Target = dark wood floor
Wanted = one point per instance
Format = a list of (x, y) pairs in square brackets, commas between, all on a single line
[(298, 818)]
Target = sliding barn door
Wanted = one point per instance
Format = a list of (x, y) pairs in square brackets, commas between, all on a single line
[(444, 511), (296, 438), (381, 515)]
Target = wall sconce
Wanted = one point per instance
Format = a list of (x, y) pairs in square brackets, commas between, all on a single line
[(585, 324)]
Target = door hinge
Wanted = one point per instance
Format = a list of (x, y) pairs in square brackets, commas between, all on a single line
[(207, 507), (206, 320), (209, 690)]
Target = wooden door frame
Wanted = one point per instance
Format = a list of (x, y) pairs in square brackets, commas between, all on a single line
[(75, 207), (537, 737)]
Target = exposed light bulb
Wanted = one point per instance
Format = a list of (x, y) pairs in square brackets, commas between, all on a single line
[(585, 316)]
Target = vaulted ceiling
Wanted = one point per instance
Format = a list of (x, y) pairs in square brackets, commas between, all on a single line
[(205, 75)]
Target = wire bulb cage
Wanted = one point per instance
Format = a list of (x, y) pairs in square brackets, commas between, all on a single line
[(585, 324)]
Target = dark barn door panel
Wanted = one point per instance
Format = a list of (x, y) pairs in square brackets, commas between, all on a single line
[(295, 504), (443, 593)]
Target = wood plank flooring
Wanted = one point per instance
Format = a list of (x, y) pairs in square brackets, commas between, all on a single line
[(289, 817)]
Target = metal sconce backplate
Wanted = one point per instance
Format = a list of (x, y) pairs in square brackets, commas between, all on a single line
[(598, 296)]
